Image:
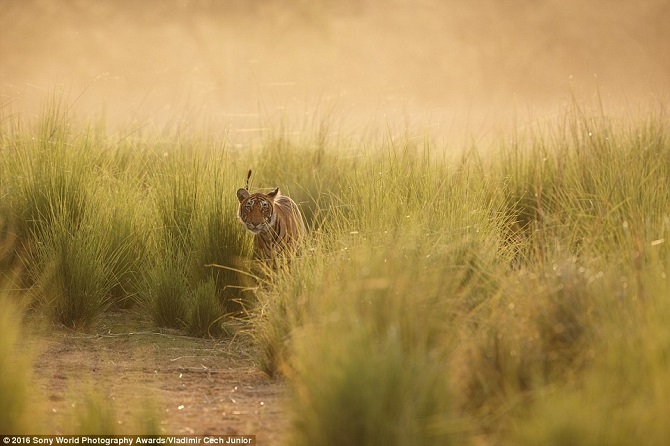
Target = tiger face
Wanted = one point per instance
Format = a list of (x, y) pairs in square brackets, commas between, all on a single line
[(257, 211)]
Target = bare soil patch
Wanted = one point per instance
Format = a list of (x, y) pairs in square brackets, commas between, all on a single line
[(185, 386)]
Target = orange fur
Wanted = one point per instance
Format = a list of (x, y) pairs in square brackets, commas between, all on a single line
[(274, 219)]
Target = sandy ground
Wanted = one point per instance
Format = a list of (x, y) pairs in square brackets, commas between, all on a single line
[(187, 386)]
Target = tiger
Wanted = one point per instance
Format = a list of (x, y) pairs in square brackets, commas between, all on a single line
[(275, 220)]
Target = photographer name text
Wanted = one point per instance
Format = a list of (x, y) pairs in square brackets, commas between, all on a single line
[(127, 440)]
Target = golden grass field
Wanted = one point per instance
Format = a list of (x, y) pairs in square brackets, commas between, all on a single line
[(486, 188)]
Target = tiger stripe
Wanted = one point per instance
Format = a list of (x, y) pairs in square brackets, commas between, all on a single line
[(276, 222)]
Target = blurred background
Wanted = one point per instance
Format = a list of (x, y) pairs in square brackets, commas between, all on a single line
[(240, 64)]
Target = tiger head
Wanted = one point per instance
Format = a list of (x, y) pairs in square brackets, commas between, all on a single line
[(257, 211)]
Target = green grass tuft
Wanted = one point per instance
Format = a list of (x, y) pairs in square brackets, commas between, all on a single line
[(205, 311), (15, 372)]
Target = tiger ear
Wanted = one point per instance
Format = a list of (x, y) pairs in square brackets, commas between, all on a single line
[(242, 194), (274, 193)]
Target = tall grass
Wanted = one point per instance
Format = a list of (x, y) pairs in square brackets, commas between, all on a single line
[(14, 372), (101, 225), (492, 280), (439, 298), (375, 336), (623, 396), (196, 233)]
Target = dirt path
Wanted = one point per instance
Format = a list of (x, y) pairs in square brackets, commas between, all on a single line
[(149, 380)]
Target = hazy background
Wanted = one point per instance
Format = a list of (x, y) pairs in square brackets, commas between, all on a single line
[(242, 64)]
